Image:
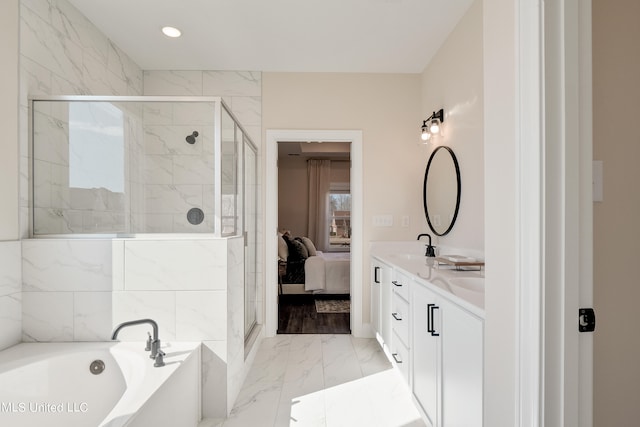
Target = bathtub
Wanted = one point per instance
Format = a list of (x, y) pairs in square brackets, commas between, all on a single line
[(58, 384)]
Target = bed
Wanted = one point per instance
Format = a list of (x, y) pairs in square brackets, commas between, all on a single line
[(310, 271)]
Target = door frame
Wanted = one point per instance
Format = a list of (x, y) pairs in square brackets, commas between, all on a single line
[(273, 136)]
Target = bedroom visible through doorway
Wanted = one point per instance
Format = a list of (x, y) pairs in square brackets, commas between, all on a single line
[(314, 236)]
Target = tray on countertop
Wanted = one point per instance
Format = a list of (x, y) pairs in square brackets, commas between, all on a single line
[(459, 261)]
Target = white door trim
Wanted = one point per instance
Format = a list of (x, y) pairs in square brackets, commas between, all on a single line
[(273, 136), (530, 212)]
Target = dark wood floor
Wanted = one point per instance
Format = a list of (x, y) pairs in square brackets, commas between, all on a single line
[(297, 315)]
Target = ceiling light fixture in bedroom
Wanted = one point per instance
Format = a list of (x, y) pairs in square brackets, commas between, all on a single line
[(432, 125)]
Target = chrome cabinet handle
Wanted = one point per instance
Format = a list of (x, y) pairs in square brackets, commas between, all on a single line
[(395, 316), (395, 357)]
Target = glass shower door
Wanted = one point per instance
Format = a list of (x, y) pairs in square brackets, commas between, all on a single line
[(250, 231)]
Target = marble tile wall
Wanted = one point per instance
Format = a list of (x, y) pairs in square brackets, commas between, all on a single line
[(178, 175), (80, 289), (63, 53), (10, 294)]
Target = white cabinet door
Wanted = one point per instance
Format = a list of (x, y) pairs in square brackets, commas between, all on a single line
[(426, 351), (462, 360), (376, 289)]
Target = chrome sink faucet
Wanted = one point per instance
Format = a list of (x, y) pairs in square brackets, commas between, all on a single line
[(153, 343), (430, 251)]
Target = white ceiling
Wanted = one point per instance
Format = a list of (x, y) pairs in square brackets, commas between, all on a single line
[(380, 36)]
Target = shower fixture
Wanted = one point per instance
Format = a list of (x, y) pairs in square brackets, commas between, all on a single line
[(191, 139)]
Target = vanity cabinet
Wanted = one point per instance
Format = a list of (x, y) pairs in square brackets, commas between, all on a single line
[(447, 347), (434, 336)]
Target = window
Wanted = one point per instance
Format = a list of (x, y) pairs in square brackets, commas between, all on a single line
[(96, 146), (339, 216)]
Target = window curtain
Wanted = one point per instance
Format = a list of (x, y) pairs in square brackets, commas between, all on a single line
[(319, 174)]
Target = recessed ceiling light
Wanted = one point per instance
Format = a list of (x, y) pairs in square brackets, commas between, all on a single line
[(171, 32)]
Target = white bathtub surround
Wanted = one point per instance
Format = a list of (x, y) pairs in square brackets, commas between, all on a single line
[(10, 294), (130, 391), (192, 286), (293, 383)]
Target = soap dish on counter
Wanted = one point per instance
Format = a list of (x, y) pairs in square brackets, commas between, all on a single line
[(460, 262)]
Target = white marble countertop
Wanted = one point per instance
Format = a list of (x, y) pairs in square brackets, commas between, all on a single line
[(409, 258)]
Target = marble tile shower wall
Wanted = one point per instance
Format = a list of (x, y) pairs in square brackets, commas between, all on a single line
[(59, 207), (178, 175), (63, 53)]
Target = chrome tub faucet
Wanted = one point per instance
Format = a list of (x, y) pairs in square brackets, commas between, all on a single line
[(153, 343)]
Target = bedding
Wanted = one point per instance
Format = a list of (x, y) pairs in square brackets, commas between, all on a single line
[(328, 272), (311, 271)]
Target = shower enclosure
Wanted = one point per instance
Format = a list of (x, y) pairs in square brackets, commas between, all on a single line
[(131, 166)]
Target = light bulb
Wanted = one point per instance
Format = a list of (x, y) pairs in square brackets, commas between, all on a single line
[(435, 126), (425, 134)]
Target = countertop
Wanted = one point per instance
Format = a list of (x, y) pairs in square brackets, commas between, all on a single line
[(442, 279)]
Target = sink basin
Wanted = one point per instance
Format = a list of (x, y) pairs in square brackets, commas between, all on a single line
[(473, 284)]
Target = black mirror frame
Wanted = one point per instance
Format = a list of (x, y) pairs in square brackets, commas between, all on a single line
[(424, 191)]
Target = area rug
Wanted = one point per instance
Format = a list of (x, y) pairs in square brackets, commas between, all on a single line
[(333, 305)]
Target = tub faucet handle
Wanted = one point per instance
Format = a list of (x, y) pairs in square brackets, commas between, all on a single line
[(148, 346), (159, 360), (155, 348)]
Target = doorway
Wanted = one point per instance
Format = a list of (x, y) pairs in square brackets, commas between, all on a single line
[(354, 138), (314, 237)]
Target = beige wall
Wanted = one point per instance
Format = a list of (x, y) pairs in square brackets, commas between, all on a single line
[(389, 109), (386, 107), (9, 22), (616, 68), (453, 81)]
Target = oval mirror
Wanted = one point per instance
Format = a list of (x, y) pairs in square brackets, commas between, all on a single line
[(441, 190)]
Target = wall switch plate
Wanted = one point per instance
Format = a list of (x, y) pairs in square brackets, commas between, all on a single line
[(383, 221), (405, 220)]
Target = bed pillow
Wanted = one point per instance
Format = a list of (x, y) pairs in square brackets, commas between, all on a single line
[(301, 248), (283, 249), (297, 251), (311, 248)]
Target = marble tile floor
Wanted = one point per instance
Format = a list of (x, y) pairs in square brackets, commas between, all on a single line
[(321, 381)]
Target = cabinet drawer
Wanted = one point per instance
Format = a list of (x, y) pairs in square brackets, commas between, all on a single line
[(400, 285), (400, 355), (400, 318)]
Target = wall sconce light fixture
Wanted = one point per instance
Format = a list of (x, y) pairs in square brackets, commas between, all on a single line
[(431, 126)]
